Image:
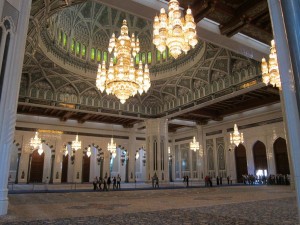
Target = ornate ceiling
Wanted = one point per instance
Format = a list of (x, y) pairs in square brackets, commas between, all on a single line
[(59, 84)]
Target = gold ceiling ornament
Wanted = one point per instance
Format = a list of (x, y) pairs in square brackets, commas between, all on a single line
[(174, 31), (35, 142), (76, 144), (270, 72), (194, 145), (123, 79), (236, 137)]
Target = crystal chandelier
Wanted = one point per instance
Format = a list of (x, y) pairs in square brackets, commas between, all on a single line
[(236, 137), (112, 147), (66, 150), (40, 150), (173, 31), (123, 79), (76, 144), (194, 145), (35, 141), (88, 152), (270, 73)]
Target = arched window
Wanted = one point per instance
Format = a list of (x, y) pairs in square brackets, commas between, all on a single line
[(93, 54), (73, 45), (83, 51), (149, 60), (98, 55)]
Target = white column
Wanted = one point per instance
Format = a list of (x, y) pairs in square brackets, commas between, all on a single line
[(288, 86), (200, 163), (132, 150), (157, 132), (9, 98)]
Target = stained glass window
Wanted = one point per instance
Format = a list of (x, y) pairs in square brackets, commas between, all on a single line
[(149, 60), (92, 54), (98, 55)]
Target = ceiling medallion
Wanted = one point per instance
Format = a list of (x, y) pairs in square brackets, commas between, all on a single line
[(122, 79), (270, 73), (174, 31)]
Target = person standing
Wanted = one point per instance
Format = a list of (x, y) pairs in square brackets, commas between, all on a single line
[(118, 182), (228, 180), (95, 182), (221, 180), (187, 181), (108, 183), (218, 180), (114, 183)]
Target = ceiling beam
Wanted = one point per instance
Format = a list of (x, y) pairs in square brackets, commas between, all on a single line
[(66, 116)]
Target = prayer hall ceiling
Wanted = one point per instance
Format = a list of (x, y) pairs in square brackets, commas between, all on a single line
[(208, 83)]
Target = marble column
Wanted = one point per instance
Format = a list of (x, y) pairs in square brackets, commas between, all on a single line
[(200, 162), (285, 22), (157, 148), (10, 91)]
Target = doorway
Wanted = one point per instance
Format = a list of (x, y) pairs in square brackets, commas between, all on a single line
[(85, 168), (37, 167), (240, 162), (260, 157), (64, 171), (281, 157)]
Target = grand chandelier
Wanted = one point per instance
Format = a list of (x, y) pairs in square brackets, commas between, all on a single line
[(194, 145), (112, 147), (35, 141), (236, 137), (174, 31), (123, 79), (76, 144), (270, 73)]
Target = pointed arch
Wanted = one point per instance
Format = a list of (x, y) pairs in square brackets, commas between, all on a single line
[(281, 156), (240, 162), (260, 156)]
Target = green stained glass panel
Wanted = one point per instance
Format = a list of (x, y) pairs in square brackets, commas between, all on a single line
[(137, 58), (164, 55), (73, 45), (92, 54), (59, 36), (149, 60), (105, 56), (158, 55), (83, 50), (77, 47), (98, 55), (65, 40)]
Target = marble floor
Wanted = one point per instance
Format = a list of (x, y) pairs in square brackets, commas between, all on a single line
[(273, 205)]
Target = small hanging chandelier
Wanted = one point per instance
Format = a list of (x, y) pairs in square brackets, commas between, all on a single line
[(236, 137), (123, 79), (270, 73), (112, 147), (40, 150), (66, 150), (76, 144), (88, 152), (174, 31), (194, 145), (35, 141)]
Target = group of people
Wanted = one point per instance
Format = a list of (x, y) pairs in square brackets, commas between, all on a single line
[(219, 181), (104, 184), (271, 179)]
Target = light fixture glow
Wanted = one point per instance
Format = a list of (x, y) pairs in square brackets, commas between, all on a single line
[(194, 145), (35, 141), (174, 31), (270, 72), (123, 79), (89, 153), (40, 150), (76, 144), (66, 151), (236, 137)]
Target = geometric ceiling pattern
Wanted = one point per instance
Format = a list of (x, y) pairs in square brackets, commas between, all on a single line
[(52, 77)]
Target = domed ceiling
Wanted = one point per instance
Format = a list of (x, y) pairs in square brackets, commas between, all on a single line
[(56, 75)]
